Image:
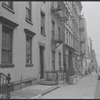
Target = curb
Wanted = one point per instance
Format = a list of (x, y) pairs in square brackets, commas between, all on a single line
[(35, 96), (49, 90), (45, 92)]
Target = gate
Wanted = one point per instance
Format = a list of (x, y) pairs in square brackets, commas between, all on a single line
[(5, 86)]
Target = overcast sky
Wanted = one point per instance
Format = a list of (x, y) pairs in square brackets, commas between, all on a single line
[(91, 12)]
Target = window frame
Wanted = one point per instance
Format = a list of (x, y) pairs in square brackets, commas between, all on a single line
[(9, 25), (53, 29), (42, 23), (29, 20), (53, 60), (30, 50), (59, 34), (9, 64), (59, 54), (11, 9), (29, 34), (10, 33)]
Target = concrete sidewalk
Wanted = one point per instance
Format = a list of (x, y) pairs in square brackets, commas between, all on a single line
[(32, 92), (84, 89), (35, 91)]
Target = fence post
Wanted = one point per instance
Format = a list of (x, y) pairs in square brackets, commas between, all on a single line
[(8, 86)]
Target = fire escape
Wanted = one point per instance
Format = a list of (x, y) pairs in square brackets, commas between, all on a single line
[(60, 10)]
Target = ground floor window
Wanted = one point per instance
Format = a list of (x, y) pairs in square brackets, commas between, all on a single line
[(6, 46), (28, 50)]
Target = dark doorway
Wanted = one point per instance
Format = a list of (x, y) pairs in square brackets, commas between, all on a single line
[(66, 66), (71, 70), (41, 62)]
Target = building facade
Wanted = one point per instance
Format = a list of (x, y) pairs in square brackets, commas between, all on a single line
[(36, 37), (83, 45)]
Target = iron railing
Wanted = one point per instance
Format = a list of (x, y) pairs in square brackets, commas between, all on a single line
[(53, 78), (50, 78), (5, 86), (56, 77), (62, 77)]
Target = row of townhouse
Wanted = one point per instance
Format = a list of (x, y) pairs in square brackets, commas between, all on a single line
[(36, 37), (83, 44), (92, 60), (87, 54)]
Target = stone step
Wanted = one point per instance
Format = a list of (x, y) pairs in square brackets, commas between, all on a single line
[(47, 82)]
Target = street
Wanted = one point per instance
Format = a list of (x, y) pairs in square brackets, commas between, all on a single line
[(84, 89)]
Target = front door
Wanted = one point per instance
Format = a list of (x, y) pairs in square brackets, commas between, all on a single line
[(41, 61)]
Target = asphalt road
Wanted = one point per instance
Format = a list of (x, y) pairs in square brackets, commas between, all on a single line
[(97, 95)]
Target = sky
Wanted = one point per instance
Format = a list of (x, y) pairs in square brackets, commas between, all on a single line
[(91, 11)]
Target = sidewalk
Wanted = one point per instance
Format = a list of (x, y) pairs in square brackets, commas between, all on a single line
[(35, 91), (84, 89), (32, 92)]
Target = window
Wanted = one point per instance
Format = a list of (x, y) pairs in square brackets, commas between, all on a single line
[(53, 29), (71, 41), (53, 60), (28, 11), (7, 41), (67, 36), (29, 36), (6, 46), (59, 59), (59, 33), (42, 23), (28, 50), (9, 4)]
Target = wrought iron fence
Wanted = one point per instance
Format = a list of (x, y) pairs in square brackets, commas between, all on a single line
[(56, 77), (50, 77), (61, 77), (5, 86)]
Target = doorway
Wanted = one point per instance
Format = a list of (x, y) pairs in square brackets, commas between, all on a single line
[(41, 62)]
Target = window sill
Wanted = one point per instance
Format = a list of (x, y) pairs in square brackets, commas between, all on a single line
[(43, 34), (30, 22), (9, 9), (7, 65), (29, 65)]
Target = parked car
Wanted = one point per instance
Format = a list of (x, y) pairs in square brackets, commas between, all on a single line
[(99, 76)]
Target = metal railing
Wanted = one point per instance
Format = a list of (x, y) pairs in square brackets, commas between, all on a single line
[(5, 86), (53, 78), (56, 77), (50, 77), (62, 77)]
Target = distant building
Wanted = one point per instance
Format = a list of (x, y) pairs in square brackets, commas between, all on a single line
[(83, 44)]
